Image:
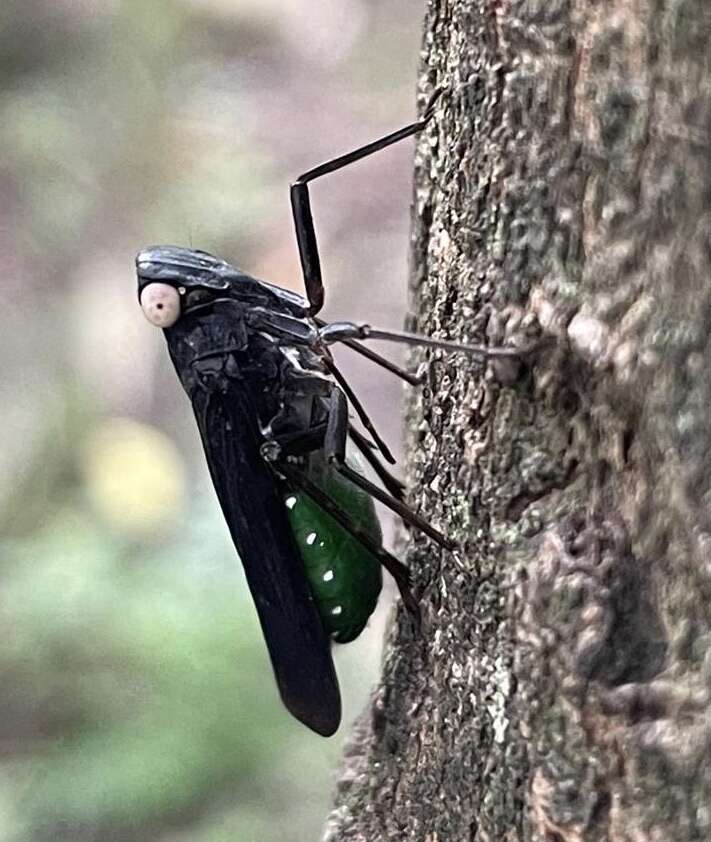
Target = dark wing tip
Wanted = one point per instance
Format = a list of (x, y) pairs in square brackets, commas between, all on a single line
[(321, 714)]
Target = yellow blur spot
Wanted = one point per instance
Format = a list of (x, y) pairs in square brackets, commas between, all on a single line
[(134, 476)]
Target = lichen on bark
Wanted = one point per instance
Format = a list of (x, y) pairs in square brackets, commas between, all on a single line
[(558, 688)]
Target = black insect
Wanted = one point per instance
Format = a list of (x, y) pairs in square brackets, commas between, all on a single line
[(273, 413)]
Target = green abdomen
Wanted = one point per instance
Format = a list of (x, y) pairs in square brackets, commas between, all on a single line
[(345, 578)]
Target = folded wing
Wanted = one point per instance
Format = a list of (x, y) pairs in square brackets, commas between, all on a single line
[(254, 509)]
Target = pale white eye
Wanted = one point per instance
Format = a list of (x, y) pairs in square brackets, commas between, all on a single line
[(160, 304)]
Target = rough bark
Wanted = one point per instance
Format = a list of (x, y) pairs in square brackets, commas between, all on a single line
[(558, 688)]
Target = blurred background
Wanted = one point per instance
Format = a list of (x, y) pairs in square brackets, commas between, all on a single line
[(137, 701)]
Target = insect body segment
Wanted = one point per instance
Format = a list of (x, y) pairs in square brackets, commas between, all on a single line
[(345, 578)]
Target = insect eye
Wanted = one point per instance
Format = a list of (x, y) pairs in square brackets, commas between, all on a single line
[(160, 304), (195, 297)]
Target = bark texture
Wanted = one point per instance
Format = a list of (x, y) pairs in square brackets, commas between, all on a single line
[(558, 689)]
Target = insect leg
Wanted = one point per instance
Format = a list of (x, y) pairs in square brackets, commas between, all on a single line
[(369, 354), (335, 449), (397, 506), (334, 441), (343, 331), (402, 373), (301, 204), (358, 406), (393, 484), (395, 568)]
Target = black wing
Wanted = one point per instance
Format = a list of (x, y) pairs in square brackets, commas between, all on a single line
[(256, 515)]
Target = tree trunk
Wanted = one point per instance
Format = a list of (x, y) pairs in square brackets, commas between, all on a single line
[(558, 688)]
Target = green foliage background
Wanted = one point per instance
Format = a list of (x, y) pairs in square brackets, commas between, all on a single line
[(136, 701)]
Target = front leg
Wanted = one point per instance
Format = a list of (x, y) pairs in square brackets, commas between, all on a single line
[(301, 204)]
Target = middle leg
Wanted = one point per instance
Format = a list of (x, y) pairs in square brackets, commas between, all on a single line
[(335, 449)]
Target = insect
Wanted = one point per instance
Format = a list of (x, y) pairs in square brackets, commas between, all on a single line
[(273, 413)]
